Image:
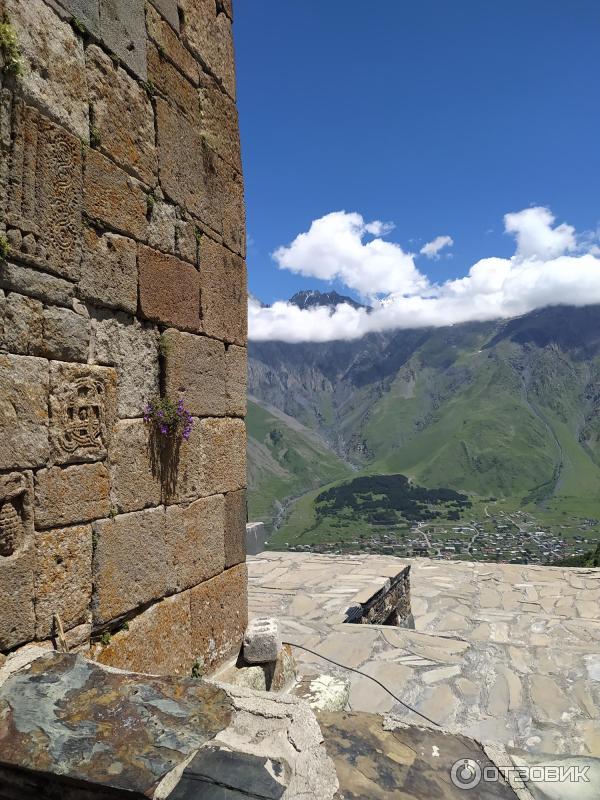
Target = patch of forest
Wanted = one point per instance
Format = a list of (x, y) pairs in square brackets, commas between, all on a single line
[(382, 499)]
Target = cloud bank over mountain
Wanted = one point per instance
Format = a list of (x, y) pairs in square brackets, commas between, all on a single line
[(551, 265)]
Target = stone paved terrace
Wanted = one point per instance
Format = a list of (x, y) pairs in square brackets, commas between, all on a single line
[(502, 653)]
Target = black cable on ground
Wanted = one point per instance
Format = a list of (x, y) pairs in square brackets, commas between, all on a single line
[(364, 675)]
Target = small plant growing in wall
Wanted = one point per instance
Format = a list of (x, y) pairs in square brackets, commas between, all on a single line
[(198, 668), (169, 418), (4, 247), (9, 48)]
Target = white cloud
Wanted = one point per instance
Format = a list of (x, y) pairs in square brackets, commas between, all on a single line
[(334, 247), (536, 238), (550, 266), (432, 249)]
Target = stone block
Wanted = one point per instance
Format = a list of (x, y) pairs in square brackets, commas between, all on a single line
[(183, 178), (16, 513), (21, 324), (255, 538), (161, 226), (229, 189), (186, 240), (83, 405), (75, 494), (169, 289), (171, 83), (180, 470), (132, 563), (219, 609), (224, 297), (219, 120), (109, 274), (235, 528), (196, 536), (112, 197), (66, 335), (15, 277), (63, 580), (24, 385), (226, 7), (44, 193), (262, 640), (209, 36), (86, 12), (158, 641), (135, 478), (132, 347), (236, 380), (123, 30), (17, 615), (195, 371), (54, 77), (168, 9), (121, 115), (170, 45), (223, 454)]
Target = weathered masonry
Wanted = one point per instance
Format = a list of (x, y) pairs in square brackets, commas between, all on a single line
[(122, 281)]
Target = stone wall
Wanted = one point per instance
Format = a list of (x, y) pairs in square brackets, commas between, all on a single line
[(122, 277)]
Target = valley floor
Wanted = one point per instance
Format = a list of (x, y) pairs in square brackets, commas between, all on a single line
[(502, 530)]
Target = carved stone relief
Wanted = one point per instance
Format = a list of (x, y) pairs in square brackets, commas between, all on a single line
[(82, 411), (83, 415), (16, 515), (45, 188)]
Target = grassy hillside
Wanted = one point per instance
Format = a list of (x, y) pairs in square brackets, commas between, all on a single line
[(285, 460), (503, 409)]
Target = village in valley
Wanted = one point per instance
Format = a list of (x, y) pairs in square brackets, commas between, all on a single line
[(499, 535)]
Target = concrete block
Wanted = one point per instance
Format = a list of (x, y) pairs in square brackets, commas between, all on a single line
[(262, 641)]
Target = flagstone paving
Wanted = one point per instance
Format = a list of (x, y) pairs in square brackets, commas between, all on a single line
[(500, 652)]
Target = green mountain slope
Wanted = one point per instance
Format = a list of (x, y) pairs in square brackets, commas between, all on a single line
[(510, 409), (285, 460)]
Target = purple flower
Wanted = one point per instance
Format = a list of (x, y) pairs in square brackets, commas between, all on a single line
[(164, 430)]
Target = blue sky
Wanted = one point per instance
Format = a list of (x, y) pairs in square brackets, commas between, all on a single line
[(438, 116)]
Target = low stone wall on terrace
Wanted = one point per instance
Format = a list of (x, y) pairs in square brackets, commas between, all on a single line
[(122, 277)]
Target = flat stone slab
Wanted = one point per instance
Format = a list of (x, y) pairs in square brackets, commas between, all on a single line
[(502, 653), (404, 764), (65, 716), (73, 729)]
